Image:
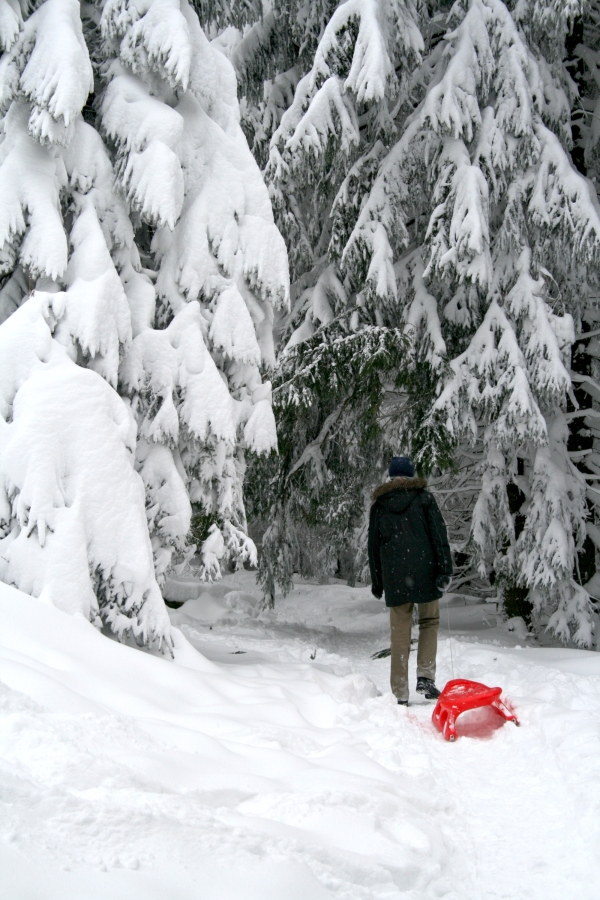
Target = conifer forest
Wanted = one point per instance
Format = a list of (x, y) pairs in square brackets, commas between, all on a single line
[(391, 243)]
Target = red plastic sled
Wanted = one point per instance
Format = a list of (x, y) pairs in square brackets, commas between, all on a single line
[(460, 695)]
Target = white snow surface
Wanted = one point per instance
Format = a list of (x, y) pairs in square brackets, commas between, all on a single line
[(270, 760)]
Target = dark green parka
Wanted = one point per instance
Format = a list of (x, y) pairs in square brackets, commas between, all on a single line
[(408, 544)]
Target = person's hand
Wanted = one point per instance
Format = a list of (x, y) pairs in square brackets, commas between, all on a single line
[(377, 593), (442, 582)]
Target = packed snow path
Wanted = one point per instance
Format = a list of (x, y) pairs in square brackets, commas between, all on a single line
[(268, 767)]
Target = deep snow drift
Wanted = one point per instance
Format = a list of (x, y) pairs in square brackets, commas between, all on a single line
[(268, 766)]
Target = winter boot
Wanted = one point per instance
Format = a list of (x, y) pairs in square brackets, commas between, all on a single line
[(402, 702), (426, 687)]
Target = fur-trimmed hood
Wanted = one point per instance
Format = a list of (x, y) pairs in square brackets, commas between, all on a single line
[(398, 484)]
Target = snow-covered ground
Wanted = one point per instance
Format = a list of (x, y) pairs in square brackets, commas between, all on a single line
[(275, 764)]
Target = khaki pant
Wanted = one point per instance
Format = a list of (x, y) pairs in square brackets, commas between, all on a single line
[(400, 621)]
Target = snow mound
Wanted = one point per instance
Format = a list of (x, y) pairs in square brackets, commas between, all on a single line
[(125, 772), (206, 604), (518, 627)]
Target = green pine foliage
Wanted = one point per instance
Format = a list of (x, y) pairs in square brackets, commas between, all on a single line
[(329, 396)]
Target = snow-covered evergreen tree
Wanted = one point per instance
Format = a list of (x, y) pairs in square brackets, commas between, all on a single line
[(336, 451), (271, 45), (138, 240), (422, 178), (583, 54)]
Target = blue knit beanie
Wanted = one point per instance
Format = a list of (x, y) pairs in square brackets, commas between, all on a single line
[(401, 466)]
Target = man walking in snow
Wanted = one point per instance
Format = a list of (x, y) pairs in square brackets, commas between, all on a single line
[(410, 561)]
